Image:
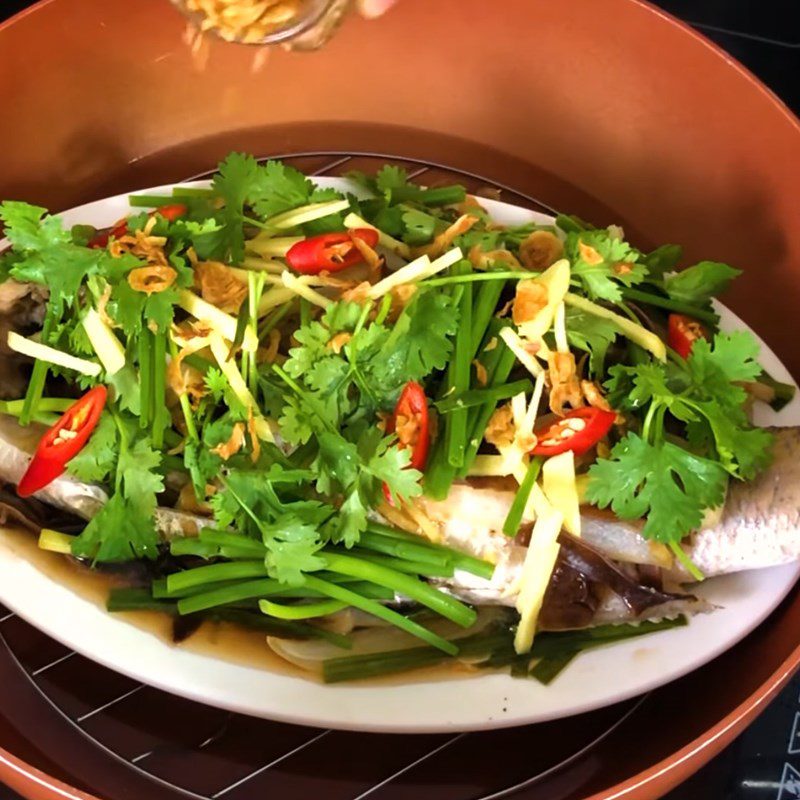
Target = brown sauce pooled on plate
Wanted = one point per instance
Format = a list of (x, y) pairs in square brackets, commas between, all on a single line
[(221, 640)]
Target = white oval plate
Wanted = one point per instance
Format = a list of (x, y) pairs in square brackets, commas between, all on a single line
[(594, 679)]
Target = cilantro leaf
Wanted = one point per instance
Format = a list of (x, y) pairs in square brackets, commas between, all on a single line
[(205, 235), (705, 396), (313, 341), (390, 177), (219, 389), (337, 464), (351, 520), (292, 544), (96, 461), (700, 283), (45, 254), (121, 531), (743, 450), (388, 464), (296, 422), (617, 263), (138, 465), (234, 182), (668, 484), (127, 389), (486, 240), (278, 187), (420, 342), (159, 308), (342, 316), (29, 228), (388, 218), (216, 383), (202, 463), (632, 388), (361, 179), (418, 226), (124, 528), (661, 260), (127, 307), (289, 530), (592, 334), (733, 355)]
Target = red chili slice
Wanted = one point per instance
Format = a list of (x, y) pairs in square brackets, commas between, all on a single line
[(411, 423), (100, 241), (170, 212), (683, 332), (62, 441), (579, 430), (329, 252)]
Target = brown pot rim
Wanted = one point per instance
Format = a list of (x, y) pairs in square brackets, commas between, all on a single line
[(35, 783)]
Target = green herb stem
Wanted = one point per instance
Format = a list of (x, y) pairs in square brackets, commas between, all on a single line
[(301, 611), (159, 590), (546, 670), (273, 318), (784, 392), (38, 376), (150, 200), (134, 598), (196, 361), (183, 399), (372, 665), (514, 518), (502, 359), (478, 397), (226, 539), (225, 595), (421, 568), (417, 590), (57, 404), (437, 196), (192, 191), (478, 277), (145, 348), (487, 297), (687, 562), (160, 411), (213, 573), (671, 305), (305, 312), (459, 372), (403, 548), (383, 309), (192, 546), (459, 560), (442, 195), (344, 595)]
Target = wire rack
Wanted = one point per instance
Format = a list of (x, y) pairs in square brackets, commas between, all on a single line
[(188, 750)]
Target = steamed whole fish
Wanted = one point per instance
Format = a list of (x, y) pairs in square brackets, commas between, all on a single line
[(68, 493), (610, 574), (759, 527)]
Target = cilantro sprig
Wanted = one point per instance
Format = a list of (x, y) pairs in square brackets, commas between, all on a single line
[(124, 529), (672, 479)]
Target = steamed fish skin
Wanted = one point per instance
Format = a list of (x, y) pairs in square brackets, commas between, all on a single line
[(759, 527), (65, 492), (68, 493), (760, 523)]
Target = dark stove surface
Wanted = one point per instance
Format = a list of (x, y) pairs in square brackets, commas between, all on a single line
[(764, 762)]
